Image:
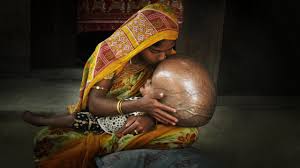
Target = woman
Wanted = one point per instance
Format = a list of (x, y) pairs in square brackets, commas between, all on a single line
[(118, 68)]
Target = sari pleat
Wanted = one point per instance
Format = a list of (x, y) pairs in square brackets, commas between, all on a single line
[(81, 152)]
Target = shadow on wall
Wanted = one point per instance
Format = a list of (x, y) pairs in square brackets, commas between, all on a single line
[(87, 42), (259, 49)]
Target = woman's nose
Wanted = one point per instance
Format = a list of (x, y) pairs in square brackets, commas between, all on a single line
[(162, 56)]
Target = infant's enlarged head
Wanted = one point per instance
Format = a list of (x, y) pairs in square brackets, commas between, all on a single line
[(188, 88)]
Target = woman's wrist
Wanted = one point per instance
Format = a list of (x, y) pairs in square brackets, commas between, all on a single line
[(129, 106)]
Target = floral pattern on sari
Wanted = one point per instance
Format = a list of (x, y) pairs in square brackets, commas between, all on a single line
[(126, 82)]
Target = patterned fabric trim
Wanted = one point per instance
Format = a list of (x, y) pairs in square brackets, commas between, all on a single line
[(146, 27), (109, 76)]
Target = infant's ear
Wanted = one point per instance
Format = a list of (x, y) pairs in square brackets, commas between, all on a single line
[(157, 95), (142, 90), (148, 82)]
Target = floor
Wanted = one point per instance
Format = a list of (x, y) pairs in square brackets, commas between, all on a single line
[(264, 134)]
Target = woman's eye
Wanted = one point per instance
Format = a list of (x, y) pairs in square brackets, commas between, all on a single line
[(154, 51)]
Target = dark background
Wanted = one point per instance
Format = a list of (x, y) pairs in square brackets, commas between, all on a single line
[(250, 49), (259, 50)]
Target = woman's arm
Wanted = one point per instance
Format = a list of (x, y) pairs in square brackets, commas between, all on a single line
[(99, 104), (102, 106)]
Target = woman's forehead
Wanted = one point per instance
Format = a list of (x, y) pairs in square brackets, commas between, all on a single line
[(164, 45)]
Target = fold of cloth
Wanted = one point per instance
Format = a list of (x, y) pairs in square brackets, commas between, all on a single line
[(80, 153)]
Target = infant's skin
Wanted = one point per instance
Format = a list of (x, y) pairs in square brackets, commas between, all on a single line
[(185, 85), (188, 88)]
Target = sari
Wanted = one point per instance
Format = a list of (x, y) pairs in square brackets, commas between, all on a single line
[(58, 147)]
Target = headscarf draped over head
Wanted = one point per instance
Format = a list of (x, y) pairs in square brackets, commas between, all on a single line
[(149, 25)]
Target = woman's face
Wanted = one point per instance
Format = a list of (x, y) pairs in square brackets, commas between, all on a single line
[(157, 53)]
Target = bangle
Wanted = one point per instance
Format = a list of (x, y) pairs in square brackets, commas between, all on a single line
[(119, 107)]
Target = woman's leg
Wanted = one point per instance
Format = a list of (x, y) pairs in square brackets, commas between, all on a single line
[(163, 137), (67, 132)]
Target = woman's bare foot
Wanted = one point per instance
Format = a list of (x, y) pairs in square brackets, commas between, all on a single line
[(34, 119)]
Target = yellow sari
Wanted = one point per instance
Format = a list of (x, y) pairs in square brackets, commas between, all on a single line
[(149, 25), (55, 147)]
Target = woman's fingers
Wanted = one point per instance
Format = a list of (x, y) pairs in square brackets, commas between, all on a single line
[(166, 117), (129, 122), (131, 129), (162, 106), (165, 107), (159, 119)]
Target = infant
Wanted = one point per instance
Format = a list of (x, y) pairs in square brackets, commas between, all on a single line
[(186, 87)]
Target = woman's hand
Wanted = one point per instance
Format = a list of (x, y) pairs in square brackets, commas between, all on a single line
[(157, 110), (150, 104), (136, 125)]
